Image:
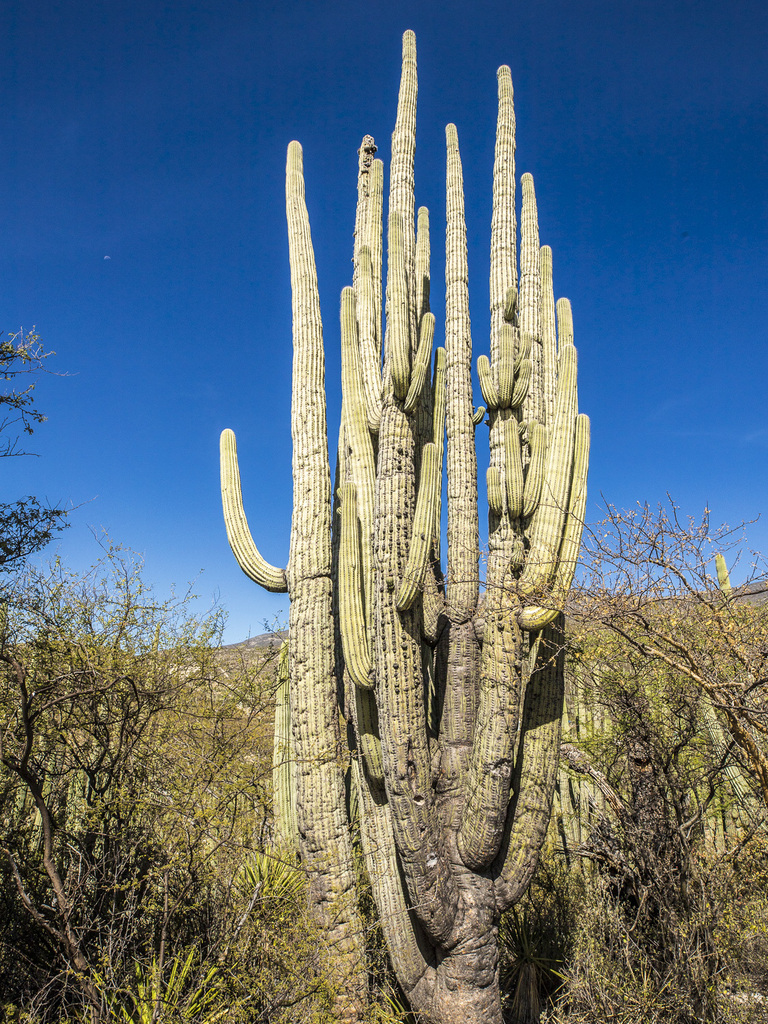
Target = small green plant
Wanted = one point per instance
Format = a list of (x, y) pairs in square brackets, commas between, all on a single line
[(532, 957), (269, 878), (190, 993)]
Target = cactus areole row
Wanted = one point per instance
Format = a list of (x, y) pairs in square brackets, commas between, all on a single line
[(451, 697)]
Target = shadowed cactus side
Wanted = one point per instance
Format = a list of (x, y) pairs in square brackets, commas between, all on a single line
[(283, 762), (452, 700)]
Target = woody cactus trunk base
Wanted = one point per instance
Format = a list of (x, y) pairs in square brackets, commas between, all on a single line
[(452, 697)]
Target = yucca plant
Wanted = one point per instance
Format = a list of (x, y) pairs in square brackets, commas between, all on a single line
[(184, 994), (531, 965)]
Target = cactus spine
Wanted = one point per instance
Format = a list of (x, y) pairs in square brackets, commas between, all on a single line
[(453, 699)]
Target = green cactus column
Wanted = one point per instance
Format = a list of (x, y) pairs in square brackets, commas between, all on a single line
[(453, 697), (324, 840)]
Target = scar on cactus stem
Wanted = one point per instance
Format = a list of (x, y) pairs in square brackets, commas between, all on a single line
[(452, 699)]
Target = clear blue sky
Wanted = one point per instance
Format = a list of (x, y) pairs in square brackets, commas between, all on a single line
[(155, 133)]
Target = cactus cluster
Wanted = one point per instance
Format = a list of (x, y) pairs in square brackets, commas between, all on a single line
[(452, 697)]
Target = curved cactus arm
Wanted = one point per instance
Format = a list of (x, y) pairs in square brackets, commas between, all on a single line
[(421, 289), (537, 437), (522, 384), (421, 363), (367, 726), (535, 617), (510, 305), (423, 530), (548, 338), (478, 415), (354, 633), (370, 349), (495, 493), (361, 703), (358, 457), (245, 551), (487, 386), (513, 469), (523, 350), (536, 768), (530, 296), (462, 572), (505, 372), (549, 518)]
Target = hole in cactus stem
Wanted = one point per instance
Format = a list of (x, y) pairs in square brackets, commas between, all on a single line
[(431, 860)]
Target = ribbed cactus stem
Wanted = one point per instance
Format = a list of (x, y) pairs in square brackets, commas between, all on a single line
[(530, 295), (370, 346), (376, 245), (487, 386), (532, 618), (462, 583), (359, 455), (495, 494), (547, 526), (366, 277), (438, 435), (506, 368), (510, 305), (243, 547), (283, 762), (513, 469), (536, 767), (522, 384), (564, 324), (723, 576), (354, 633), (523, 350), (548, 338), (398, 312), (421, 363), (401, 185), (423, 530), (537, 435), (503, 227), (320, 801), (422, 263)]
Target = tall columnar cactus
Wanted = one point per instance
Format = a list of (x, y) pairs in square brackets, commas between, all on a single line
[(452, 697)]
